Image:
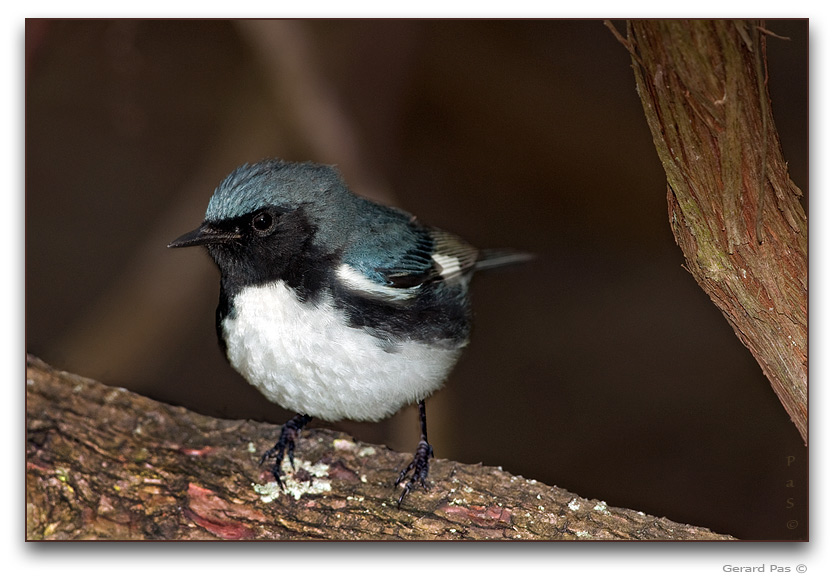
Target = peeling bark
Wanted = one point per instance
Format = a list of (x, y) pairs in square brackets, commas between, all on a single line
[(105, 463), (733, 208)]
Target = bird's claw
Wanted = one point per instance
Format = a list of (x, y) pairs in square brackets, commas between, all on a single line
[(419, 470), (285, 446)]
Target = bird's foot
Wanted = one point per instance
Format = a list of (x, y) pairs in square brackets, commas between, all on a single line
[(286, 444), (418, 468)]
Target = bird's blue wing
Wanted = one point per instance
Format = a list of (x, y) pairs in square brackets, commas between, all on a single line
[(392, 257)]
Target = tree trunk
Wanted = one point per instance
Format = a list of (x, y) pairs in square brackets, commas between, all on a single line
[(105, 463), (734, 210)]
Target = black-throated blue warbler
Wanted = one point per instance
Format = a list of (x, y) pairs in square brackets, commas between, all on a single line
[(334, 306)]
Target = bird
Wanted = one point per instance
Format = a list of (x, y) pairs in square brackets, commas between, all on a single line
[(334, 306)]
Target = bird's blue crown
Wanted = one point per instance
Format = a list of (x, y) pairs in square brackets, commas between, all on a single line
[(273, 183)]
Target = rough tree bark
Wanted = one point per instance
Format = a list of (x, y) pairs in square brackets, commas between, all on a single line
[(105, 463), (733, 208)]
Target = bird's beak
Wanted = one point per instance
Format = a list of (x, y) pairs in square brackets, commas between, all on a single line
[(204, 235)]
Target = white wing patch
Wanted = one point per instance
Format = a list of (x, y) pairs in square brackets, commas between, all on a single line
[(449, 265), (355, 281)]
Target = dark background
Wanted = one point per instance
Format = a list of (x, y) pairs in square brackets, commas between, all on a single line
[(601, 368)]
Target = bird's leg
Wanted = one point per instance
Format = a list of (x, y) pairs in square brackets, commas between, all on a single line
[(419, 466), (286, 442)]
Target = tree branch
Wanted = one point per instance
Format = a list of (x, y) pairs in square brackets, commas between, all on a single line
[(105, 463), (733, 208)]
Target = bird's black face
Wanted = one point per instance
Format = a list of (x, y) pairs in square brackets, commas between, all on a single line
[(259, 247)]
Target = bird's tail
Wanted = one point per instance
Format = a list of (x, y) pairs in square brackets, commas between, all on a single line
[(498, 258)]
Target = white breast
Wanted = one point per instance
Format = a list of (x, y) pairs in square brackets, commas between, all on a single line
[(302, 357)]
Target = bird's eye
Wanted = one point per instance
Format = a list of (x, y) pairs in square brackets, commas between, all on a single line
[(262, 222)]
